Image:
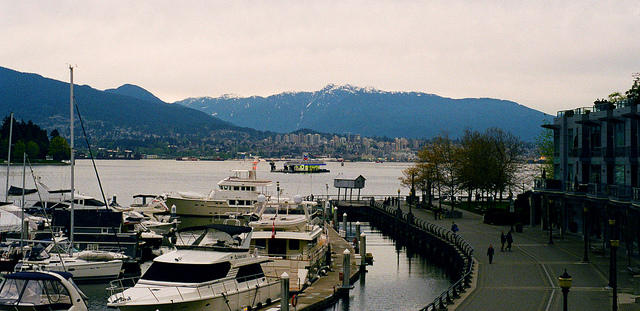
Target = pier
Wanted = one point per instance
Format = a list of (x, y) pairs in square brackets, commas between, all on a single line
[(324, 291)]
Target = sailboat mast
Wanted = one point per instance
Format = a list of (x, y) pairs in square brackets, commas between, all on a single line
[(6, 198), (72, 161), (25, 229)]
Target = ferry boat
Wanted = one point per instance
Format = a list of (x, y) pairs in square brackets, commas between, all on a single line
[(212, 268), (294, 240), (301, 166), (234, 196), (41, 290)]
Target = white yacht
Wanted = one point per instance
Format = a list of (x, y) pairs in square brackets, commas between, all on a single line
[(296, 242), (41, 290), (235, 195), (211, 269), (91, 265)]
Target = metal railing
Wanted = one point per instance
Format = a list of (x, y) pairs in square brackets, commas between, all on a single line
[(450, 237)]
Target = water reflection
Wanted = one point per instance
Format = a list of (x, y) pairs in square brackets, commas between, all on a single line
[(405, 281)]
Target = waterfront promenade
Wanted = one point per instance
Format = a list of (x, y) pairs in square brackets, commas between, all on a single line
[(527, 277)]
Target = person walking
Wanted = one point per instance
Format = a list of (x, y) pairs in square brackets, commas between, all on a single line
[(454, 227), (490, 252), (503, 239), (509, 240)]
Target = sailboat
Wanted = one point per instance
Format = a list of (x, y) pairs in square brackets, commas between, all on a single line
[(104, 266)]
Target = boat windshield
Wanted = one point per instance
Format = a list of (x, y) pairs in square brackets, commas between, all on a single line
[(186, 273), (34, 293)]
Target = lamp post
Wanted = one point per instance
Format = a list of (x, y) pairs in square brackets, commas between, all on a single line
[(613, 278), (565, 284), (614, 273), (585, 209), (413, 191), (549, 222)]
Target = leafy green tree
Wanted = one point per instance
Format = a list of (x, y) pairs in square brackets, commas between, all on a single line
[(59, 149), (32, 149), (489, 162), (18, 149), (475, 162), (633, 94), (544, 143), (437, 166), (508, 151)]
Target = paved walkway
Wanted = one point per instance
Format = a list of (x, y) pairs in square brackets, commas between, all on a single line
[(527, 277)]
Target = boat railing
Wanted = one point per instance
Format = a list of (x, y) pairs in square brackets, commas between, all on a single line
[(316, 252), (220, 287)]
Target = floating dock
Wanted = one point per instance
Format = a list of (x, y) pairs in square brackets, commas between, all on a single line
[(324, 291)]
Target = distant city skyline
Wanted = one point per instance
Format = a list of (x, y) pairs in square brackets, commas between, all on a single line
[(548, 56)]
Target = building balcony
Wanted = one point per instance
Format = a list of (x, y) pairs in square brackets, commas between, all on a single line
[(542, 184), (598, 191), (576, 188), (620, 192), (635, 196)]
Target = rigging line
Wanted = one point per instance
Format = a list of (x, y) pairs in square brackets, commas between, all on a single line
[(95, 169), (44, 213)]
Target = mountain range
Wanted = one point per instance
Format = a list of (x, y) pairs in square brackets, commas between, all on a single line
[(126, 112), (370, 112), (131, 111)]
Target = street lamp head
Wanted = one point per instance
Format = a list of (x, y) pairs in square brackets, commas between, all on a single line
[(612, 222), (565, 280)]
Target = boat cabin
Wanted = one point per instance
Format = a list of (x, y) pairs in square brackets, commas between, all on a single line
[(40, 291)]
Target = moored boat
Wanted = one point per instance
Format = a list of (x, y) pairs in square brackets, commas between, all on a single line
[(41, 290), (212, 268), (234, 196), (295, 242), (90, 265)]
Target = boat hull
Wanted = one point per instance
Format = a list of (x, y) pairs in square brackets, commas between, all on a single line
[(84, 271), (171, 299)]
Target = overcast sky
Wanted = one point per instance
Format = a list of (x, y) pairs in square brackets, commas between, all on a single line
[(547, 55)]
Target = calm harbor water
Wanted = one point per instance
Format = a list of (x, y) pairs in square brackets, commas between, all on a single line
[(397, 280)]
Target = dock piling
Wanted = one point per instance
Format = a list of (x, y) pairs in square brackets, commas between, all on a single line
[(363, 251), (284, 290)]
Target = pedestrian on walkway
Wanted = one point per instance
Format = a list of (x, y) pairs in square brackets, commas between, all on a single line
[(454, 227), (509, 240), (490, 252), (503, 239)]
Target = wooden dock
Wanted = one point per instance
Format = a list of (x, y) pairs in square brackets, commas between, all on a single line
[(324, 291)]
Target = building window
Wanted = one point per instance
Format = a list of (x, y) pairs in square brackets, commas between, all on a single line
[(595, 140), (595, 175), (619, 139), (618, 134), (570, 172), (619, 176)]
